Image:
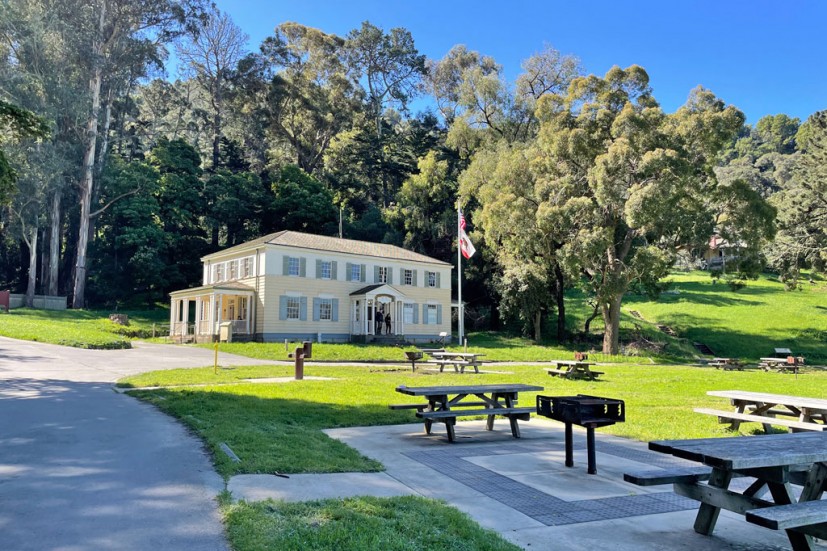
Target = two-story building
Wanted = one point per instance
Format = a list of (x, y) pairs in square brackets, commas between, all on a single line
[(299, 286)]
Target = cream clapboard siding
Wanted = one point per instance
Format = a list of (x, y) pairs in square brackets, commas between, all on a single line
[(276, 285)]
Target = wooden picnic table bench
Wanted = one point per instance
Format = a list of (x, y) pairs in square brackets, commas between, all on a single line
[(446, 403), (727, 364), (574, 369), (796, 413), (772, 460), (782, 365), (458, 360)]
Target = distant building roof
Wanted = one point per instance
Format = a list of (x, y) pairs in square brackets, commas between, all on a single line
[(331, 244)]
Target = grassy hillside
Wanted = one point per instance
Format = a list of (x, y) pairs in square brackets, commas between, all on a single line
[(79, 328), (747, 323)]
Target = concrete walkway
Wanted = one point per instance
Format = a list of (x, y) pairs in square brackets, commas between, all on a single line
[(85, 468), (521, 488)]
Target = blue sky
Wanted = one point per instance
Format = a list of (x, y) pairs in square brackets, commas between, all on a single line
[(763, 57)]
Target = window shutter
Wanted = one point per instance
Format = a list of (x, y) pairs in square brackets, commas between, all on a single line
[(425, 314), (286, 266), (363, 272), (349, 272), (283, 307), (303, 267), (390, 275), (316, 309), (318, 269), (303, 309), (439, 314), (415, 314), (376, 274), (402, 276), (335, 309), (333, 270), (413, 281), (438, 284)]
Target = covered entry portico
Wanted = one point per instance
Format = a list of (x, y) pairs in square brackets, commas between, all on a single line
[(196, 314), (371, 304)]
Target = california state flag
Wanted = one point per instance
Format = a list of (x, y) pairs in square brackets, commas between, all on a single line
[(465, 245)]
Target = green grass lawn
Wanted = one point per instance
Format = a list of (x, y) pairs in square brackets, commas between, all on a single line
[(79, 328), (747, 323), (277, 426), (405, 523), (495, 346)]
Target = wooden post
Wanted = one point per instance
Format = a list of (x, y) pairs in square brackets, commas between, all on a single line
[(215, 361)]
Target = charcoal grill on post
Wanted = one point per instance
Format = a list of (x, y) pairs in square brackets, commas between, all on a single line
[(587, 411)]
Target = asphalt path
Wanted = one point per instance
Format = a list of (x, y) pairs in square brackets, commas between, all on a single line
[(85, 468)]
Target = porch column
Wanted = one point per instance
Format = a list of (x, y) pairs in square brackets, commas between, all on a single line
[(219, 306), (211, 298), (199, 306), (173, 313), (186, 316), (365, 317), (249, 306)]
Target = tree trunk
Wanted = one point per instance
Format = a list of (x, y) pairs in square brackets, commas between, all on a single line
[(44, 260), (559, 293), (611, 321), (54, 244), (538, 325), (107, 121), (216, 139), (31, 241), (87, 188)]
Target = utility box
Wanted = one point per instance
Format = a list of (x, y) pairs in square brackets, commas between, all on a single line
[(225, 331)]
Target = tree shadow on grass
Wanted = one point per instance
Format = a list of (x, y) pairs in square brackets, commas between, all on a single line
[(727, 342), (273, 434)]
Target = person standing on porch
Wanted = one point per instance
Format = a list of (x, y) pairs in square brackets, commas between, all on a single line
[(378, 322), (388, 323)]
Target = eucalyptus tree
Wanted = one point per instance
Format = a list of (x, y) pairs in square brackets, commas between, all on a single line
[(389, 65), (802, 206), (107, 34), (611, 188), (211, 53), (300, 88)]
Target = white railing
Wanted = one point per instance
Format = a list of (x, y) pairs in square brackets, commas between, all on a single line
[(239, 327)]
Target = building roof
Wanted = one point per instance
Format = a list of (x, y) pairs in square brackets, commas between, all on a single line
[(225, 286), (331, 244)]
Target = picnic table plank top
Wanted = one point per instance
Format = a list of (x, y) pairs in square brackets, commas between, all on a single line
[(465, 389), (747, 452), (456, 354), (763, 397), (573, 362)]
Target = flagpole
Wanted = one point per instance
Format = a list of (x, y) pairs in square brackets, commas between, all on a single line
[(460, 313)]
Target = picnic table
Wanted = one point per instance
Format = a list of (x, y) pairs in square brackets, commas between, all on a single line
[(446, 403), (796, 413), (458, 360), (782, 365), (775, 461), (727, 364), (574, 369)]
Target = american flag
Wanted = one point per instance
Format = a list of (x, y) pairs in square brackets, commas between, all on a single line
[(465, 246)]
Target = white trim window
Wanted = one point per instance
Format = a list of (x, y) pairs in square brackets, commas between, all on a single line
[(431, 279), (247, 267), (431, 313), (219, 272), (233, 269), (293, 307), (356, 272), (326, 309), (383, 274), (327, 269), (293, 266), (408, 313), (407, 277)]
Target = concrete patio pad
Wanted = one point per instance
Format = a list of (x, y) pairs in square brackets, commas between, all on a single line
[(521, 488)]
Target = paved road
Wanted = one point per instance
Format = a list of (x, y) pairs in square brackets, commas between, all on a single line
[(85, 468)]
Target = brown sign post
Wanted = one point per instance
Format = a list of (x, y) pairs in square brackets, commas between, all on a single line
[(5, 300)]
